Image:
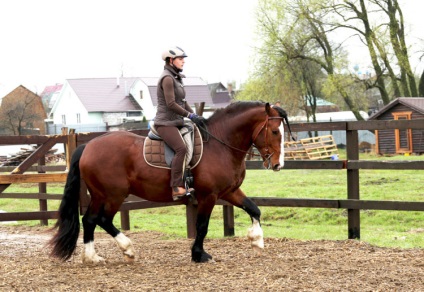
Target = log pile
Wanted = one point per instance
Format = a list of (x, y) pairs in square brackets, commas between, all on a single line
[(19, 157)]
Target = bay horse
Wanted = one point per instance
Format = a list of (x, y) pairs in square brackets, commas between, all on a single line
[(112, 166)]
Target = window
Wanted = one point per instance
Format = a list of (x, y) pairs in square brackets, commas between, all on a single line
[(403, 137), (63, 119), (78, 118), (141, 94)]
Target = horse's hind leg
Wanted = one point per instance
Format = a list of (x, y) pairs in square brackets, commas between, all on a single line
[(98, 215), (124, 243), (89, 221), (255, 233)]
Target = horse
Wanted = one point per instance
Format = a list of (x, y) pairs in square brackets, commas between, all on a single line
[(112, 167)]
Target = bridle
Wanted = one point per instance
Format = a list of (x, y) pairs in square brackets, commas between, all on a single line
[(267, 157)]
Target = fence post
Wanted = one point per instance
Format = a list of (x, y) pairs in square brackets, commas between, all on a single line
[(42, 189), (352, 153), (125, 220), (228, 215)]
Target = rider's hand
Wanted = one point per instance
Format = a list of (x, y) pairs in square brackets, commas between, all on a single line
[(198, 120)]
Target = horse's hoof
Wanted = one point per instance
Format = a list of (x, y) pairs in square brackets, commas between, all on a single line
[(93, 261), (129, 259), (202, 258), (257, 250)]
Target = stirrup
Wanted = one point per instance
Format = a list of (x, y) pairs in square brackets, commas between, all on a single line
[(178, 196)]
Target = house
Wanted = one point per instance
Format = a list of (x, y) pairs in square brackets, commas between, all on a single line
[(22, 112), (49, 96), (101, 104), (400, 141), (221, 96)]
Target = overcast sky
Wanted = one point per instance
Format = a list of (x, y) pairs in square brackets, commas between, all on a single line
[(44, 42)]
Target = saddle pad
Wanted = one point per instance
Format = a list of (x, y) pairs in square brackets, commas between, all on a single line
[(154, 151)]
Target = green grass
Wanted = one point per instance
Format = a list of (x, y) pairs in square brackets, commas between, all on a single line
[(403, 229)]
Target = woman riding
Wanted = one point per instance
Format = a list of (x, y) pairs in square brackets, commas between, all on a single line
[(171, 109)]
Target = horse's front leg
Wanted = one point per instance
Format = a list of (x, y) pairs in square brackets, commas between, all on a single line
[(204, 210), (255, 232)]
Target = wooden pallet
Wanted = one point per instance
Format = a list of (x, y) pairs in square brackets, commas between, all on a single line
[(314, 148)]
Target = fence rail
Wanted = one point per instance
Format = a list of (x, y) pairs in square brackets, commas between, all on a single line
[(353, 204)]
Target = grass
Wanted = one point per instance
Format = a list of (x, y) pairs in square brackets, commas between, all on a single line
[(403, 229)]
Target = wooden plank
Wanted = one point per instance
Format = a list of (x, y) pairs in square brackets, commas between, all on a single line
[(324, 126), (37, 196), (33, 139), (302, 164), (369, 164), (382, 205), (146, 205), (386, 125), (297, 202), (37, 168), (33, 178), (21, 216)]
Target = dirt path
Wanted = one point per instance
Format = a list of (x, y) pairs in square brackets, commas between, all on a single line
[(164, 265)]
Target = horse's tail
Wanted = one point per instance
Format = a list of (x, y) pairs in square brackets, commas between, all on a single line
[(64, 241)]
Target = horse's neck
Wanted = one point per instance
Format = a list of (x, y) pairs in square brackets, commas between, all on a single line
[(236, 134)]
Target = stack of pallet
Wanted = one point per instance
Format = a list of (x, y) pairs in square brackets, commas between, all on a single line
[(314, 148)]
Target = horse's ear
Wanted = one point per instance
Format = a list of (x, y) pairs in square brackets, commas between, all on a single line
[(268, 108)]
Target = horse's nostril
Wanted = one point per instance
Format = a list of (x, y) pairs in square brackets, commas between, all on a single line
[(276, 167)]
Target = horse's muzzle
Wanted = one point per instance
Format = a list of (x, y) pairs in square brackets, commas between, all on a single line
[(276, 167)]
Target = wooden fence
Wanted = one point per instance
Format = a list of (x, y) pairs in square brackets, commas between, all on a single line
[(353, 204)]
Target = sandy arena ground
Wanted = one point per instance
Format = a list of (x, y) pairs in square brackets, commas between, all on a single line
[(164, 265)]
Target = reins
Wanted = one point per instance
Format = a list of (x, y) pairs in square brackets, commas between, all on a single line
[(267, 156)]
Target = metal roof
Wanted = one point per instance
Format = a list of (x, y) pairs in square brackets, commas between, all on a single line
[(416, 103)]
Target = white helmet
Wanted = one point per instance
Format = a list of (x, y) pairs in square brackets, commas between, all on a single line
[(173, 52)]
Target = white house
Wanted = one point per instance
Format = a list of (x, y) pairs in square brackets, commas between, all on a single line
[(104, 102)]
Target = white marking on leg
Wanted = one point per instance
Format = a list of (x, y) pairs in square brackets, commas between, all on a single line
[(89, 255), (282, 144), (256, 236), (126, 246)]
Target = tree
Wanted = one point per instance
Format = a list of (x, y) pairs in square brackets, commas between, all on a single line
[(385, 40), (21, 109), (295, 34)]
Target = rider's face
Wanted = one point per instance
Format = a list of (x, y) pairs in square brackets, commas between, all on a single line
[(178, 62)]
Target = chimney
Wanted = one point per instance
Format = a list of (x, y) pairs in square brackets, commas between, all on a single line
[(117, 81), (230, 87)]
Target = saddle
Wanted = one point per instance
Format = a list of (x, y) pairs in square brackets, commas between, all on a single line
[(158, 154)]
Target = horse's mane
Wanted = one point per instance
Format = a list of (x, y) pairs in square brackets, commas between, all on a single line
[(233, 108), (240, 107)]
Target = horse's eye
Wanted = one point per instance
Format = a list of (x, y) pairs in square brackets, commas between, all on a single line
[(275, 132)]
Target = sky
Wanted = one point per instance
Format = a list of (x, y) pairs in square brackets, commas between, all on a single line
[(45, 42)]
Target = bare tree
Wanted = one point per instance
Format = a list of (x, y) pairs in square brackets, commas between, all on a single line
[(19, 113)]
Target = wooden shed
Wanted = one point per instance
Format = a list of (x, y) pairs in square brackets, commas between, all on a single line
[(400, 141)]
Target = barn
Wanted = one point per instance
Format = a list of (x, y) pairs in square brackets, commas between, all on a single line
[(400, 141)]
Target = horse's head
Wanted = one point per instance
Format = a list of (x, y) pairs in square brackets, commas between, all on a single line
[(268, 137)]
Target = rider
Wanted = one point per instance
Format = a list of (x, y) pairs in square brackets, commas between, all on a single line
[(171, 110)]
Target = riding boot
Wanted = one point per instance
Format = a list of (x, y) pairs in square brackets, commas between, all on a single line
[(179, 193)]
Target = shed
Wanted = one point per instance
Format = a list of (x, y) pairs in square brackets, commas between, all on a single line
[(400, 141)]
